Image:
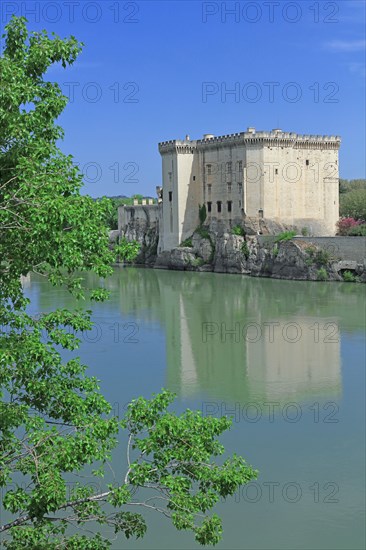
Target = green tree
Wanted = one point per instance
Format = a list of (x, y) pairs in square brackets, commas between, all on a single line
[(353, 204), (345, 186), (202, 213), (54, 421), (113, 203)]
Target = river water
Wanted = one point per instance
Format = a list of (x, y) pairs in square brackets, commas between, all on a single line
[(285, 358)]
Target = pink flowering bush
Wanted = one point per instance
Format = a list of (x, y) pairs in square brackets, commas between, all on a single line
[(346, 224)]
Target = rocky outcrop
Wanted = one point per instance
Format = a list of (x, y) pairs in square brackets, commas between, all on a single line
[(214, 248), (289, 259), (146, 234)]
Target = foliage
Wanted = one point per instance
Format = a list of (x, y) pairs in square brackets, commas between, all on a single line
[(322, 274), (213, 250), (317, 256), (353, 204), (357, 231), (55, 423), (345, 186), (203, 232), (245, 250), (310, 251), (322, 257), (285, 236), (45, 224), (197, 262), (169, 455), (238, 230), (187, 242), (348, 225), (127, 250), (202, 214), (349, 277), (275, 250), (304, 231)]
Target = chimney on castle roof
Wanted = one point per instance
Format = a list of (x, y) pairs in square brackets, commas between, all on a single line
[(251, 130), (187, 137)]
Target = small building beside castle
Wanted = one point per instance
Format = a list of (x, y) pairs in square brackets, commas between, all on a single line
[(284, 177)]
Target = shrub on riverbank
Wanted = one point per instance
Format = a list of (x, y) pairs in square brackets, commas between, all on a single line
[(351, 227), (285, 236), (238, 230)]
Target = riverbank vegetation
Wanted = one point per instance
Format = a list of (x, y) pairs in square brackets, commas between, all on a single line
[(352, 207)]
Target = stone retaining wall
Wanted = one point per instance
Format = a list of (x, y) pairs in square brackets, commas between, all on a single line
[(345, 248)]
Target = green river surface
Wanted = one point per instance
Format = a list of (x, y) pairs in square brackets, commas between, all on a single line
[(285, 358)]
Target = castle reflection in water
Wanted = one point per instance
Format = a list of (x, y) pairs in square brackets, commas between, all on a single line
[(239, 338), (242, 338)]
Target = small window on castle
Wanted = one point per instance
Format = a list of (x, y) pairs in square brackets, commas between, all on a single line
[(307, 162), (240, 187), (239, 204), (209, 169), (219, 206), (229, 187), (209, 206), (276, 171), (194, 178), (209, 189), (228, 167), (170, 196), (260, 213), (229, 203)]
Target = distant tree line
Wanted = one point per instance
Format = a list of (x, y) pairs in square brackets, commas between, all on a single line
[(346, 186)]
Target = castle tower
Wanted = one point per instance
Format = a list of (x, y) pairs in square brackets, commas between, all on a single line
[(281, 176), (181, 194)]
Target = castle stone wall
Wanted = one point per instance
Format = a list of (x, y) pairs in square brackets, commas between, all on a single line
[(347, 248), (148, 213), (285, 177)]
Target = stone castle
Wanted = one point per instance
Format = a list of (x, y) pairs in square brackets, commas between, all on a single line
[(255, 179)]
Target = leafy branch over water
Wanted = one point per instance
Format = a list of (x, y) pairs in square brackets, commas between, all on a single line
[(55, 424)]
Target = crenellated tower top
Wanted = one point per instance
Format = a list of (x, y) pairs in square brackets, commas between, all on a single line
[(251, 138)]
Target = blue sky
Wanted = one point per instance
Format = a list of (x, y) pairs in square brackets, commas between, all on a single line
[(152, 71)]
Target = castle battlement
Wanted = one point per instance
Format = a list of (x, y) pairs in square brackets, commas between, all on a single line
[(252, 137)]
